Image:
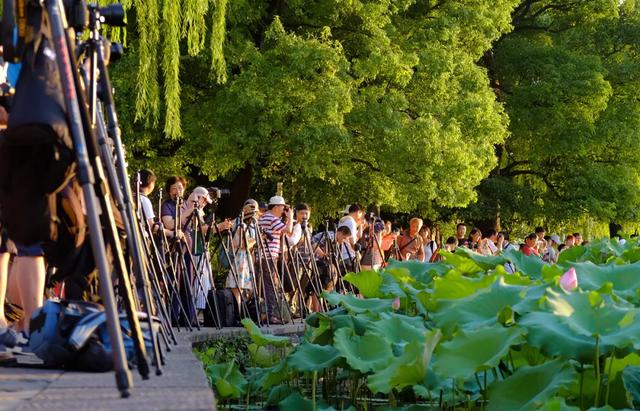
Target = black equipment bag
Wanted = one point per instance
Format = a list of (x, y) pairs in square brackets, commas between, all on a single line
[(227, 308)]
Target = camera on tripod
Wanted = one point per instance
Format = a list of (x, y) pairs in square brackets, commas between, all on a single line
[(217, 193), (79, 14)]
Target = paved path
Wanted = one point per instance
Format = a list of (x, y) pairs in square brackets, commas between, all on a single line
[(182, 387)]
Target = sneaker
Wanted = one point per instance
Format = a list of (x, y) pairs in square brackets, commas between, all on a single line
[(22, 346), (8, 338)]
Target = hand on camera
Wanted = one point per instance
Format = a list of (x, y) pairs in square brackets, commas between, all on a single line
[(225, 225)]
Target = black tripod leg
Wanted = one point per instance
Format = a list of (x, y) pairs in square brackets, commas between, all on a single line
[(74, 102), (190, 298), (140, 269)]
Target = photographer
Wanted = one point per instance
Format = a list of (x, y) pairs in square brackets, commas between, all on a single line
[(197, 201), (35, 163), (244, 241), (276, 222), (147, 185), (326, 266), (354, 220), (371, 243)]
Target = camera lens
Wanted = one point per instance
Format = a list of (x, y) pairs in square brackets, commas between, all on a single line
[(113, 15)]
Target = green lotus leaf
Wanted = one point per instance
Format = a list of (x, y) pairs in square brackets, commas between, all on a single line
[(312, 357), (228, 380), (400, 275), (624, 278), (279, 393), (558, 404), (461, 262), (358, 305), (485, 306), (398, 328), (420, 297), (590, 315), (295, 401), (359, 324), (472, 351), (260, 355), (269, 377), (391, 287), (484, 262), (409, 369), (261, 339), (618, 395), (550, 272), (422, 272), (530, 387), (631, 255), (455, 285), (631, 379), (529, 265), (572, 254), (322, 333), (313, 319), (367, 282), (369, 352), (554, 337)]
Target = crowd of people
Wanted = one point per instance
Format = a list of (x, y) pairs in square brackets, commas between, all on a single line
[(538, 243), (276, 261)]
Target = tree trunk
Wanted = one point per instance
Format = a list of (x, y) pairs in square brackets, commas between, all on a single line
[(614, 229)]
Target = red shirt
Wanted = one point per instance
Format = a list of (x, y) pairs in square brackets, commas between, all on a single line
[(526, 250)]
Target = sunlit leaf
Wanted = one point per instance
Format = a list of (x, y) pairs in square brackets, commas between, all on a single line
[(530, 387), (472, 351), (312, 357), (262, 339)]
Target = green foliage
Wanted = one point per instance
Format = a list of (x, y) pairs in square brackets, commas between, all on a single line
[(564, 75), (376, 101), (261, 339), (531, 387), (462, 357), (487, 339)]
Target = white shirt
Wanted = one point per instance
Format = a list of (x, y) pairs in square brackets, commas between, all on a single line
[(147, 207), (346, 251), (296, 235), (429, 249)]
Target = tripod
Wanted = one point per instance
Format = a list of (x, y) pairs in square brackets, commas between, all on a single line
[(97, 197), (119, 183), (311, 270), (267, 272)]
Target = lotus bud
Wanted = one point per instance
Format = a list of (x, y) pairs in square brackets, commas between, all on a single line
[(396, 304), (569, 280)]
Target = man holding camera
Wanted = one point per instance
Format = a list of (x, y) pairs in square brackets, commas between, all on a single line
[(276, 222)]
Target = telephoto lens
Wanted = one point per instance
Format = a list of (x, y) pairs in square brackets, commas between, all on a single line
[(113, 15)]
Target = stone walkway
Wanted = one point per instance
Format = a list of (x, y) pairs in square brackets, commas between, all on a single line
[(183, 386)]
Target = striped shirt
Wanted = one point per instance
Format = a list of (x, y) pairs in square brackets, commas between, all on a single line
[(273, 227)]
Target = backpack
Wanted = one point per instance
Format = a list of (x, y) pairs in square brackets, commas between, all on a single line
[(74, 335)]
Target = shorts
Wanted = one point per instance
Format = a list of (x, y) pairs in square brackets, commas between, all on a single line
[(20, 250), (32, 165)]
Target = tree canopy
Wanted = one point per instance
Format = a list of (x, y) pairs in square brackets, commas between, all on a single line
[(519, 108)]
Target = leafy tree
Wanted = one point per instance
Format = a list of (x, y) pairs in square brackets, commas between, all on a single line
[(568, 76), (374, 101)]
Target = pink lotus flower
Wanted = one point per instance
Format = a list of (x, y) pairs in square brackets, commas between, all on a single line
[(396, 304), (569, 280)]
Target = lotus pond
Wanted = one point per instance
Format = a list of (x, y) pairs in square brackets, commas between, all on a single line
[(458, 335)]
